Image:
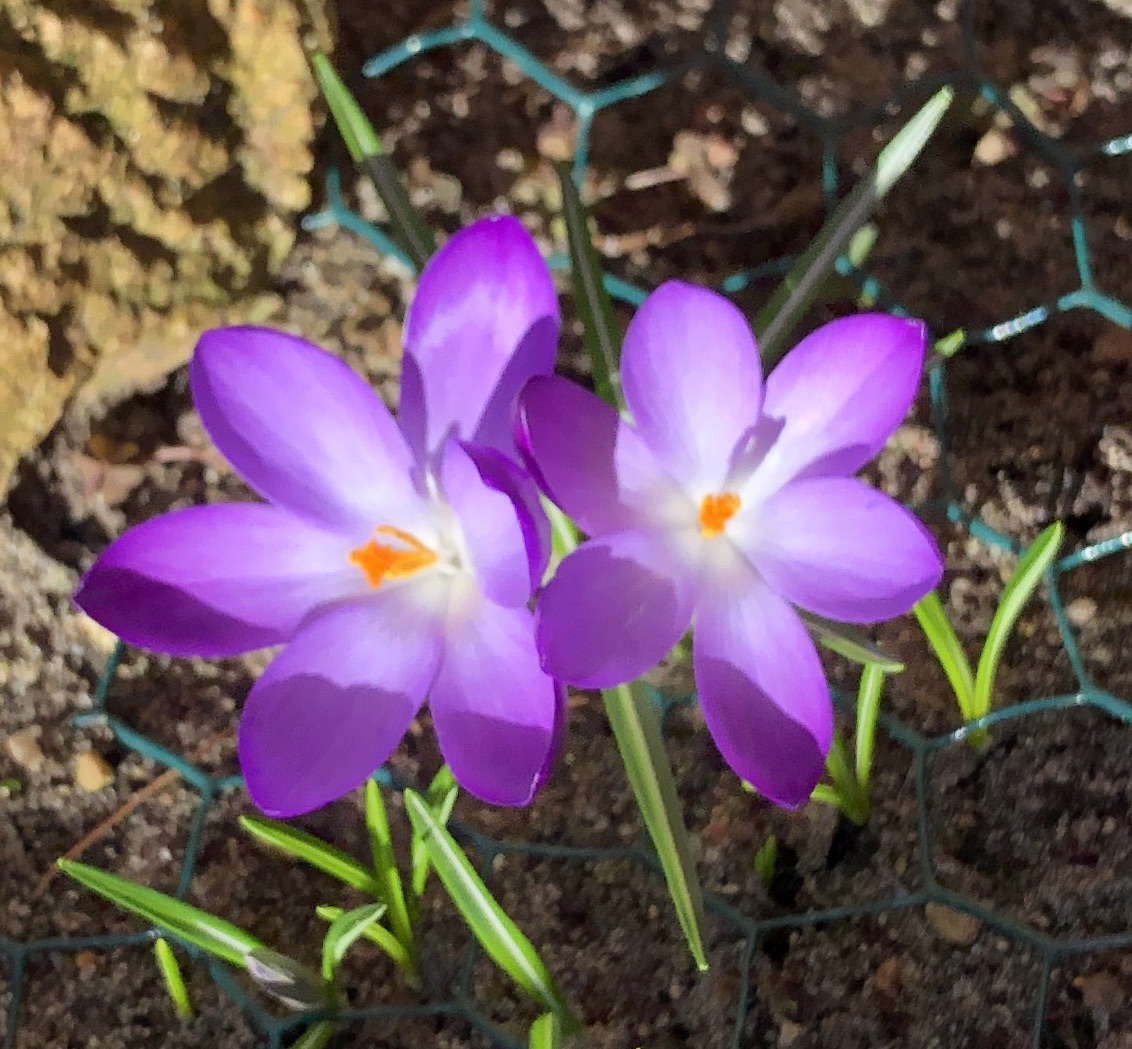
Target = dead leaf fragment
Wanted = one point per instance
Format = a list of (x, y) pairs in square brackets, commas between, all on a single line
[(92, 772)]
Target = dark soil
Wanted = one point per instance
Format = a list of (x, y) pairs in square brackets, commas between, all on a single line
[(1036, 830)]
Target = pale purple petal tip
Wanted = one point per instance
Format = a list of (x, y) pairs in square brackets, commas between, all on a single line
[(334, 704), (840, 394), (498, 716), (615, 607), (303, 429), (764, 696), (692, 378), (840, 549), (483, 321), (216, 581)]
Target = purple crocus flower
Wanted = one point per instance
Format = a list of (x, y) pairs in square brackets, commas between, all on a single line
[(727, 502), (393, 562)]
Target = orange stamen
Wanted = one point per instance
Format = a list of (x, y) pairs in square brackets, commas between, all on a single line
[(715, 512), (380, 561)]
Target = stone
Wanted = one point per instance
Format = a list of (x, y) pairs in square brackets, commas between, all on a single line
[(92, 772), (156, 157), (24, 749), (951, 925)]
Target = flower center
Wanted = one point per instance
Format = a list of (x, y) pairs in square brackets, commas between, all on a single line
[(715, 512), (381, 561)]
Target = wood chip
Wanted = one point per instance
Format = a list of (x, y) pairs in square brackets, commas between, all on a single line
[(951, 925)]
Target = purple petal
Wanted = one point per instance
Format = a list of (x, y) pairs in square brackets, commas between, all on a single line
[(498, 716), (764, 696), (615, 607), (840, 549), (591, 463), (492, 531), (483, 321), (512, 480), (692, 380), (304, 430), (335, 702), (840, 394), (216, 580)]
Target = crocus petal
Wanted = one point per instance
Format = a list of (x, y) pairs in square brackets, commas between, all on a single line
[(483, 321), (216, 580), (840, 549), (840, 394), (491, 529), (335, 702), (764, 696), (506, 476), (304, 430), (497, 714), (592, 463), (615, 607), (692, 378)]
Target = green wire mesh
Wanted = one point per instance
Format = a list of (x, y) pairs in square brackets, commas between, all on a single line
[(1050, 951)]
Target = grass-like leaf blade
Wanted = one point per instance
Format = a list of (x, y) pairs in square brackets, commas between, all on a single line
[(602, 337), (948, 651), (173, 979), (636, 727), (546, 1032), (1032, 566), (499, 936), (190, 924), (364, 146), (864, 735), (344, 932), (441, 798), (799, 288), (376, 934), (851, 643), (390, 888), (311, 850)]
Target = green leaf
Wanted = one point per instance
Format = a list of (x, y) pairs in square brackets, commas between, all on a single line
[(173, 979), (636, 727), (311, 850), (289, 982), (376, 934), (546, 1032), (317, 1036), (864, 735), (602, 336), (851, 799), (188, 923), (564, 536), (801, 285), (356, 131), (950, 344), (948, 651), (409, 228), (441, 798), (1032, 565), (766, 860), (827, 794), (343, 934), (496, 932), (390, 889), (850, 643)]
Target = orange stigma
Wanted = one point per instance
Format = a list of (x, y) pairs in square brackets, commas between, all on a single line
[(380, 561), (715, 512)]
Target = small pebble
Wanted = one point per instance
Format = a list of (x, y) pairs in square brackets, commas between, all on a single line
[(789, 1032), (1081, 610), (953, 926), (887, 977), (24, 749), (92, 773)]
